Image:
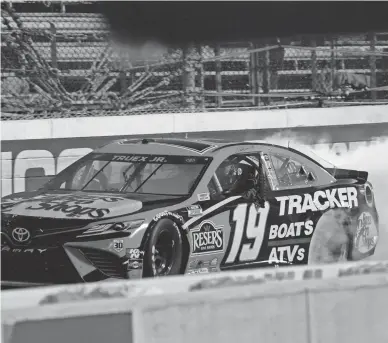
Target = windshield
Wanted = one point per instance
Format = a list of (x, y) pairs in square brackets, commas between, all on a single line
[(129, 173), (309, 153)]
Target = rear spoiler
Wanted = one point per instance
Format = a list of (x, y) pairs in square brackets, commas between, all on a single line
[(348, 174)]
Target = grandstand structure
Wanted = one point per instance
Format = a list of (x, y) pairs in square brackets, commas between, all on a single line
[(59, 59)]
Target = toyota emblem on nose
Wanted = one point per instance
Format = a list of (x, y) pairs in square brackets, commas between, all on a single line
[(21, 235)]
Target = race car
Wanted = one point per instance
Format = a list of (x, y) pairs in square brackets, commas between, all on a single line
[(147, 207)]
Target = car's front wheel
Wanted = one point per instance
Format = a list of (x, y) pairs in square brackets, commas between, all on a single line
[(164, 250)]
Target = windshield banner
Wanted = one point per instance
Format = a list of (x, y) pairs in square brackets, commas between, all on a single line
[(136, 158)]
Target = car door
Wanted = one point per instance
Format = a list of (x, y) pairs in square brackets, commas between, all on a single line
[(281, 230), (249, 225), (219, 236)]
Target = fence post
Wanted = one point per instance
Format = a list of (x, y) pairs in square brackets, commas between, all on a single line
[(201, 75), (332, 62), (254, 75), (123, 73), (314, 71), (54, 57), (188, 78), (372, 64), (218, 80), (266, 76)]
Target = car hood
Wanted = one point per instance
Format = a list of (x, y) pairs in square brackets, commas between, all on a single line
[(79, 205)]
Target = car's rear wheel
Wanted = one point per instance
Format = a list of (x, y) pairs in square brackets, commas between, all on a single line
[(331, 241), (164, 250)]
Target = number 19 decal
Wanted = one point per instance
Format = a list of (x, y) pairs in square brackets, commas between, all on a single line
[(253, 222)]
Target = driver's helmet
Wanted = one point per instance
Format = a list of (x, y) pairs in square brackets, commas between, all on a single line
[(236, 173), (247, 177)]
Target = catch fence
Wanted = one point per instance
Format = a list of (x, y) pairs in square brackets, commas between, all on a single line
[(67, 64)]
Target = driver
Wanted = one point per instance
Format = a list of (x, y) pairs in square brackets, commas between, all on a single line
[(246, 176), (236, 176)]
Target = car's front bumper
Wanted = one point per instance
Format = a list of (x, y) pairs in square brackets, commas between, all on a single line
[(64, 265), (45, 266), (88, 259)]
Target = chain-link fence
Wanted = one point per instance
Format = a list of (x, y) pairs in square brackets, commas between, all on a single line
[(67, 64)]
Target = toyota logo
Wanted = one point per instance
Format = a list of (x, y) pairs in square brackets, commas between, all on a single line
[(21, 234)]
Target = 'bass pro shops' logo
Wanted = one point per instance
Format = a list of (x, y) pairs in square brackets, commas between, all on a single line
[(207, 238), (367, 233), (21, 235)]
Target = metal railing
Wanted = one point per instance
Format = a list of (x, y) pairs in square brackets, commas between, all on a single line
[(66, 64)]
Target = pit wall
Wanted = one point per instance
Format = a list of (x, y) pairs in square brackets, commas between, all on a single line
[(33, 151), (337, 303)]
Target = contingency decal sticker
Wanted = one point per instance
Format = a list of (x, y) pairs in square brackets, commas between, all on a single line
[(134, 261), (203, 196), (118, 245), (194, 210), (201, 266)]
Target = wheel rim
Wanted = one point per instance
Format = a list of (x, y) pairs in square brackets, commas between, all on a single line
[(163, 254)]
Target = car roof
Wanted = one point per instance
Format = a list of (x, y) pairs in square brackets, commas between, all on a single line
[(173, 146)]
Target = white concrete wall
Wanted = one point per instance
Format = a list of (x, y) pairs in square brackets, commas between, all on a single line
[(350, 310), (347, 309), (191, 122), (32, 297)]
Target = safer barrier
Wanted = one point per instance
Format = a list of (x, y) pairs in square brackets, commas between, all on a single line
[(12, 299), (191, 122), (337, 303)]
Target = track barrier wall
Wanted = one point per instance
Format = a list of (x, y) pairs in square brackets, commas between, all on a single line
[(32, 297), (35, 150), (336, 303)]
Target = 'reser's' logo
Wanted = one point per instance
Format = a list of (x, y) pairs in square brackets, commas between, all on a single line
[(207, 238)]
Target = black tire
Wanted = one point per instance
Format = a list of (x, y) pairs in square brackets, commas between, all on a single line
[(164, 250), (331, 241)]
